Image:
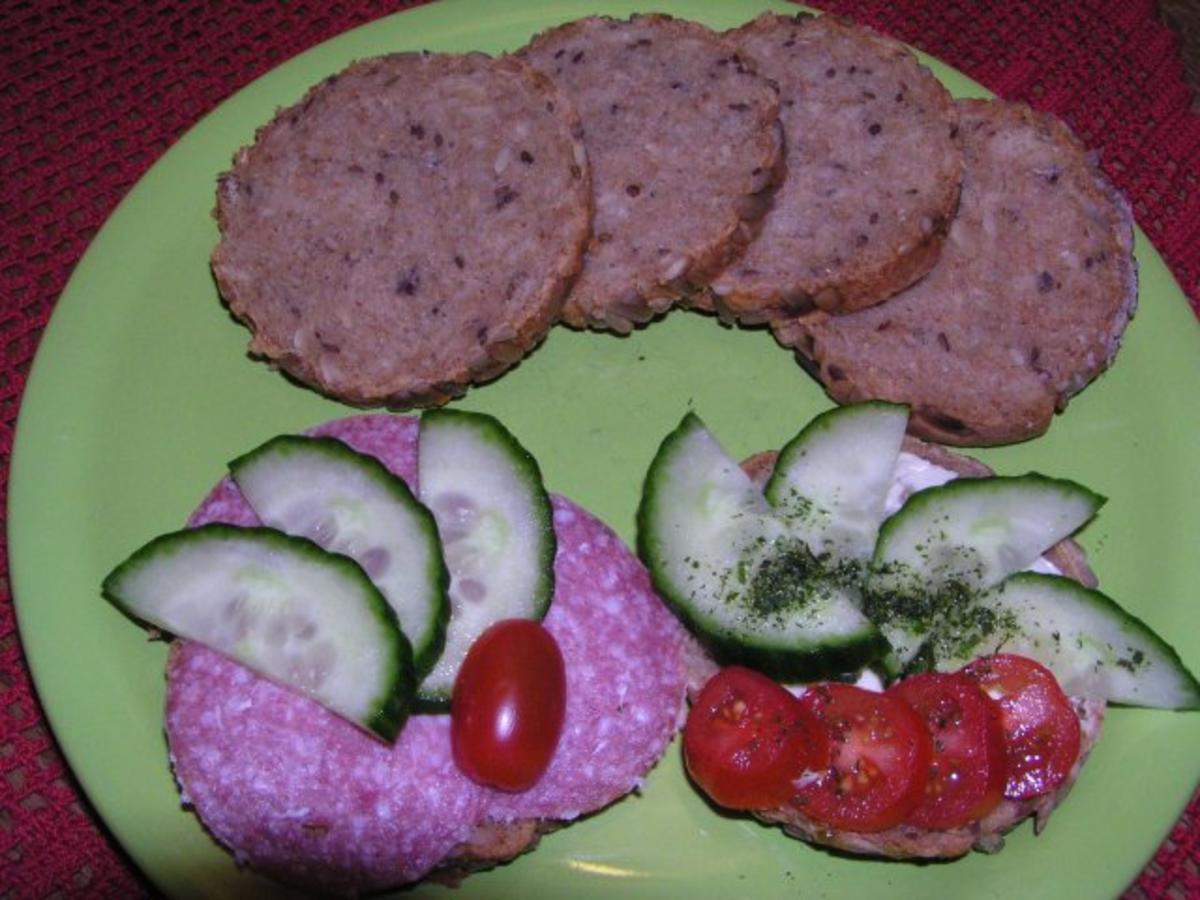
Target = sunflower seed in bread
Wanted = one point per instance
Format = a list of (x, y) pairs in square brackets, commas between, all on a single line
[(408, 228), (873, 171), (1027, 304), (684, 142)]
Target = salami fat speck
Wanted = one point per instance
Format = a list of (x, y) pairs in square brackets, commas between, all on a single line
[(300, 794)]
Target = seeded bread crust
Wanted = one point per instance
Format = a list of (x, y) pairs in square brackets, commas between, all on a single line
[(685, 146), (1026, 305), (490, 845), (873, 171), (408, 228), (987, 834)]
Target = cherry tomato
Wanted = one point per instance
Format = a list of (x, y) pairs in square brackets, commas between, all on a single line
[(880, 753), (968, 773), (507, 709), (1041, 730), (747, 740)]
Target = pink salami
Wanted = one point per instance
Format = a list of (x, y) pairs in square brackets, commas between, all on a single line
[(303, 795), (623, 652), (300, 794)]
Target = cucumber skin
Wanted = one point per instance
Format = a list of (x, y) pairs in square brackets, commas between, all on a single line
[(822, 422), (494, 432), (848, 497), (836, 661), (1109, 608), (491, 430), (780, 663), (425, 655), (880, 605), (392, 708), (933, 494)]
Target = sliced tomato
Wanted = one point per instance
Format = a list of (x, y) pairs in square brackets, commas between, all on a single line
[(1041, 730), (747, 741), (879, 759), (968, 772), (508, 705)]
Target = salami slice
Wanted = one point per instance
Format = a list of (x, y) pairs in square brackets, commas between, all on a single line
[(623, 652), (301, 795)]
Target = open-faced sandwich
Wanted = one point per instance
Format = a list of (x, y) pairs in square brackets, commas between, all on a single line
[(990, 655), (360, 609), (340, 580)]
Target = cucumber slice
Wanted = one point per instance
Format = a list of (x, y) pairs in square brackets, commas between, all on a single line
[(496, 526), (350, 503), (1093, 646), (722, 559), (949, 542), (831, 480), (282, 606)]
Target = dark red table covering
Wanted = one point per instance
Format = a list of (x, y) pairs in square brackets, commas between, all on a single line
[(92, 93)]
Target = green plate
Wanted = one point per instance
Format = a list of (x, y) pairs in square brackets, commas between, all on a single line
[(142, 391)]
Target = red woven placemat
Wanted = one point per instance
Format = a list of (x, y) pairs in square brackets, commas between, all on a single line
[(91, 95)]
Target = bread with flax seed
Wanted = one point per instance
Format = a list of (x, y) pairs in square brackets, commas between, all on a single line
[(873, 171), (685, 146), (1027, 304), (408, 228)]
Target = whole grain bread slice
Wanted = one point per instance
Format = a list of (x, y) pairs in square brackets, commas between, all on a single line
[(1026, 306), (685, 146), (408, 228), (873, 171)]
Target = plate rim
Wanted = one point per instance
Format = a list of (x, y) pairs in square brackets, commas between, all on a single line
[(20, 483)]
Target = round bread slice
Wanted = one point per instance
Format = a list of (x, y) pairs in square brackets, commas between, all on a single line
[(873, 171), (685, 145), (408, 228), (1027, 304), (301, 795), (987, 834)]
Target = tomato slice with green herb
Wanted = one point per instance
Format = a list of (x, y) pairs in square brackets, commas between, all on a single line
[(1041, 730), (748, 741), (508, 705), (968, 773), (880, 752)]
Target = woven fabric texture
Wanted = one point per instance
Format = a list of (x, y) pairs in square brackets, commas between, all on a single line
[(91, 94)]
